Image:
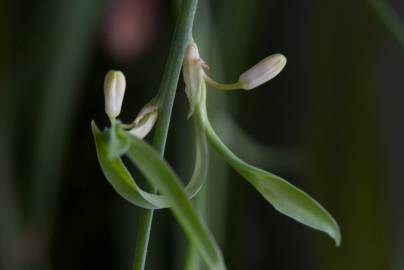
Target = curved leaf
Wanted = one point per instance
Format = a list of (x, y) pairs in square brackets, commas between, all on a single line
[(286, 198), (120, 178), (159, 173), (291, 201)]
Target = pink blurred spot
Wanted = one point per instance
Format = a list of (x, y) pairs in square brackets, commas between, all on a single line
[(130, 27)]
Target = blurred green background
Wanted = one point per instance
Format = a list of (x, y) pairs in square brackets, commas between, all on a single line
[(331, 123)]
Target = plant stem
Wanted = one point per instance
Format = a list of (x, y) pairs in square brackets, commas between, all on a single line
[(165, 100), (209, 40)]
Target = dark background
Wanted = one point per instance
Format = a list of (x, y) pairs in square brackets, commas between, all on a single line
[(331, 123)]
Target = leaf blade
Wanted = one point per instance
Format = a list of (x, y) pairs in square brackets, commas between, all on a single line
[(163, 177), (298, 205), (120, 178), (286, 198), (124, 184)]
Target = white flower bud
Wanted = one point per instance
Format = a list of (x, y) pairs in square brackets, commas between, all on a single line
[(114, 90), (262, 72), (144, 121), (193, 75)]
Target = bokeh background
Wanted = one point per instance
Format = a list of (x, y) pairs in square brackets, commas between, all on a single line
[(331, 123)]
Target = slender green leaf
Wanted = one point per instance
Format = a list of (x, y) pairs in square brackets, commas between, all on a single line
[(286, 198), (120, 178), (163, 177), (291, 201), (114, 142), (158, 172)]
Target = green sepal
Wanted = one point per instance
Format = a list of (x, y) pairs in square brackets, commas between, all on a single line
[(117, 140)]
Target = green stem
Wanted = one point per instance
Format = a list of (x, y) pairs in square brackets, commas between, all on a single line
[(222, 86), (165, 101)]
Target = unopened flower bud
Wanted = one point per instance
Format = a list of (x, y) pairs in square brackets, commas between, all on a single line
[(144, 121), (114, 90), (193, 75), (262, 72)]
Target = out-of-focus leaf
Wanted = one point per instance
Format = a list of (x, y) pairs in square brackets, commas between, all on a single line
[(286, 198), (280, 158), (68, 48), (390, 18), (115, 142)]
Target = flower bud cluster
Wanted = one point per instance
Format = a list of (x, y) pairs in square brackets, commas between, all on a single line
[(114, 91), (194, 74)]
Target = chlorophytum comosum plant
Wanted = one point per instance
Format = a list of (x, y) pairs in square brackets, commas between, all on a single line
[(126, 139)]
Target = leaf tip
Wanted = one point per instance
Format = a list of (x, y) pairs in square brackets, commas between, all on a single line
[(337, 236), (334, 232)]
